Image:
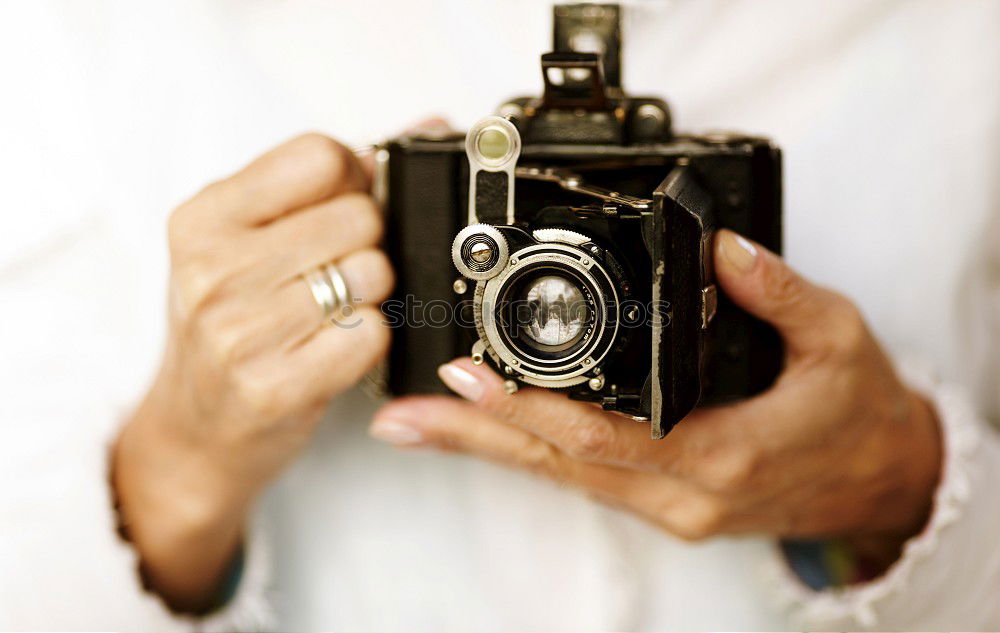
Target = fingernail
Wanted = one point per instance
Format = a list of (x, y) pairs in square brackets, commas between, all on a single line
[(461, 382), (738, 251), (395, 432)]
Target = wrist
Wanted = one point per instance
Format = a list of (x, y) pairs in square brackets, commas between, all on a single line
[(924, 456), (179, 508), (162, 468), (919, 469)]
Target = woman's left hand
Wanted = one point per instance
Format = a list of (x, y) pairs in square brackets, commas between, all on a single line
[(838, 447)]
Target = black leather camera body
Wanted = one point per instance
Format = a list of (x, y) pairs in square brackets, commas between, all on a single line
[(567, 242)]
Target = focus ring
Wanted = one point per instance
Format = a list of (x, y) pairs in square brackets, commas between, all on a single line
[(479, 252)]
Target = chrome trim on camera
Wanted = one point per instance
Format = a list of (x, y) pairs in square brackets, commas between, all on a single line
[(380, 178), (573, 182)]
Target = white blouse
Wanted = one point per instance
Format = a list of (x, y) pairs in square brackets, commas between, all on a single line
[(889, 116)]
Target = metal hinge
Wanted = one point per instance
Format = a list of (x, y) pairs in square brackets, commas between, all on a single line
[(709, 304)]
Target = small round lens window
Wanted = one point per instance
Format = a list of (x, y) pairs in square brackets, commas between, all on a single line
[(493, 144)]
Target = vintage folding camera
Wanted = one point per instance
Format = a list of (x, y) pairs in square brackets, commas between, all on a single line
[(567, 242)]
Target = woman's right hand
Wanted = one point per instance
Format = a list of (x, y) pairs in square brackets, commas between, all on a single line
[(249, 362)]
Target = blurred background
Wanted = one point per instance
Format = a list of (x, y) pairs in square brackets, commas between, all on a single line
[(112, 113)]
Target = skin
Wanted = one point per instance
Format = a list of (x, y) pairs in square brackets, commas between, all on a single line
[(250, 363), (838, 447)]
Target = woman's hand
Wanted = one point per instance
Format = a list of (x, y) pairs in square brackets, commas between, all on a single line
[(837, 447), (250, 362)]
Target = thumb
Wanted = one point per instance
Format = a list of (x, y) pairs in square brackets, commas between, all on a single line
[(806, 315), (430, 125)]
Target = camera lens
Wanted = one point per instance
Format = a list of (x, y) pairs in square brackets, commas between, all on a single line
[(551, 316), (556, 311)]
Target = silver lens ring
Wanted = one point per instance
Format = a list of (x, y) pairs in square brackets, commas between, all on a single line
[(560, 260)]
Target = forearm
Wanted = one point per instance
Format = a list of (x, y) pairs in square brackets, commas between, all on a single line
[(182, 515)]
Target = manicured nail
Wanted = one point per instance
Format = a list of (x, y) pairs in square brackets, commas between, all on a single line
[(395, 432), (738, 251), (461, 382)]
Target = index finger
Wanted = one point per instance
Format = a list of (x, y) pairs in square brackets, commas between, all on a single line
[(588, 433), (303, 171)]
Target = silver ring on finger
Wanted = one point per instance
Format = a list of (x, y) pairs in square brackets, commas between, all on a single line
[(329, 289)]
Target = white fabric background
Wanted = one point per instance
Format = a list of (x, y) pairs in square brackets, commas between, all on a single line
[(113, 112)]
